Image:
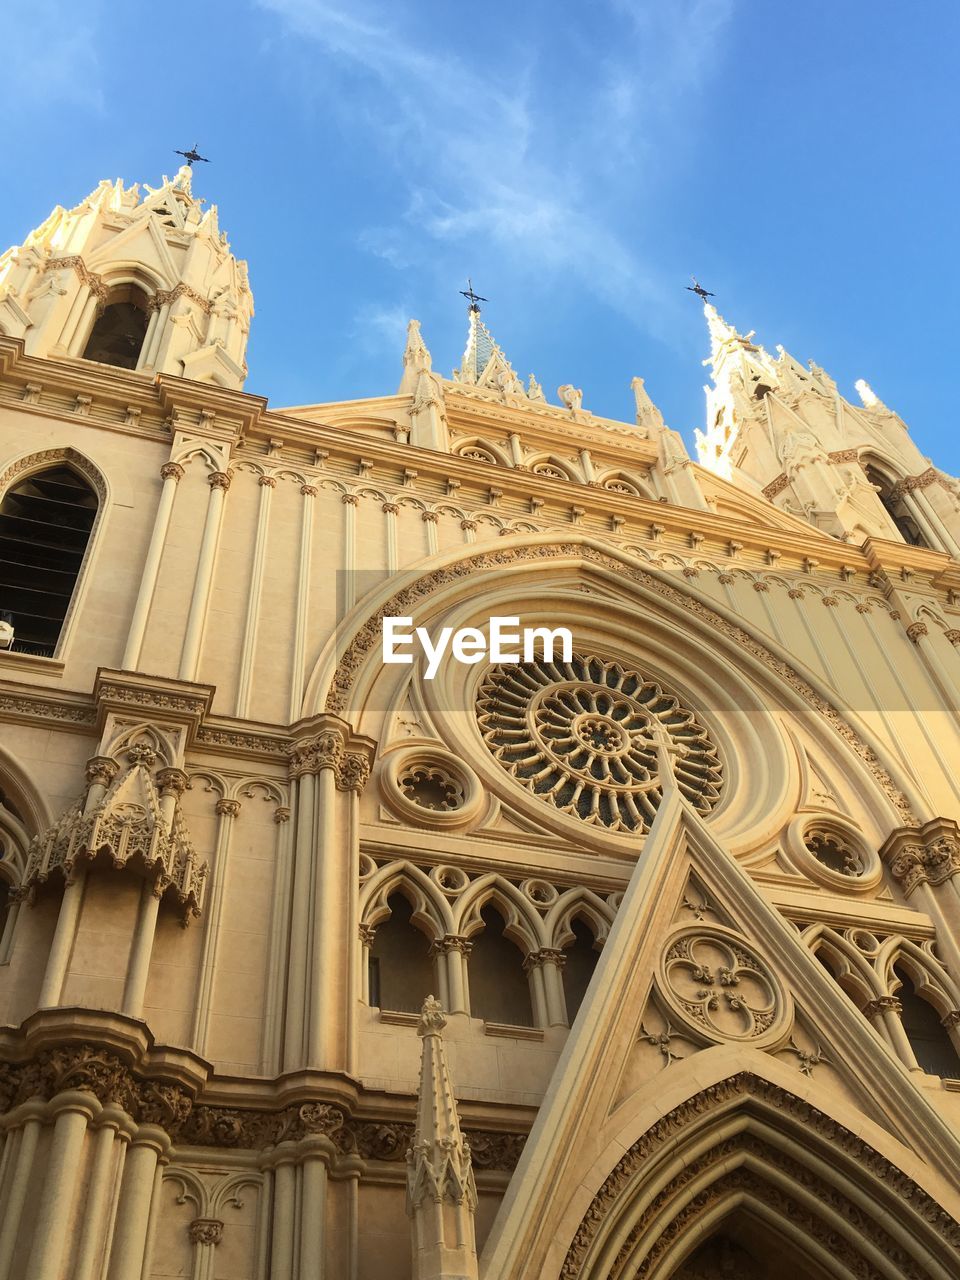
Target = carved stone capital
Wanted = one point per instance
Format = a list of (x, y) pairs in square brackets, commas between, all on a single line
[(309, 490), (923, 855), (227, 808), (281, 814), (546, 955), (349, 499), (951, 1019), (171, 782), (335, 746), (429, 517), (953, 636), (207, 1231), (391, 508), (102, 770), (882, 1004), (219, 480), (172, 471), (451, 942), (916, 630), (268, 482), (367, 933)]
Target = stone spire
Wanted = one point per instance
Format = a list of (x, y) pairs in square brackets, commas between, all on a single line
[(428, 414), (441, 1194), (144, 280), (485, 365)]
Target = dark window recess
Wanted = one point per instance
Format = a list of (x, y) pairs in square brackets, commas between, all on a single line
[(45, 524), (580, 961), (118, 334), (929, 1039), (896, 509), (401, 969), (499, 990)]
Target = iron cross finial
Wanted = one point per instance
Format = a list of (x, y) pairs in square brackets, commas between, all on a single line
[(473, 298), (697, 288), (192, 155)]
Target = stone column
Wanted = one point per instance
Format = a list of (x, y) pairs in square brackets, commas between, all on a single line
[(227, 810), (171, 783), (284, 1213), (330, 768), (113, 1131), (252, 623), (149, 1147), (219, 483), (546, 986), (172, 474), (60, 1184), (302, 607), (884, 1012), (101, 770), (451, 952), (15, 1191)]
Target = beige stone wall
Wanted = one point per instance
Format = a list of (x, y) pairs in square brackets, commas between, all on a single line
[(794, 649)]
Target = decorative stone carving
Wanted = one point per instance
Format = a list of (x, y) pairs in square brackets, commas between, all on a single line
[(834, 851), (715, 982), (743, 1088), (923, 855), (208, 1231), (585, 741), (881, 1005), (128, 827), (172, 471), (368, 637), (335, 747), (432, 788)]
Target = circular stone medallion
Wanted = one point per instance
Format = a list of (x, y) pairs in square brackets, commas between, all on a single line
[(715, 982)]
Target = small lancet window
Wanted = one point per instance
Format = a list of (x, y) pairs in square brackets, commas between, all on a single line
[(929, 1039), (896, 509), (118, 332), (499, 990), (580, 960), (401, 970), (45, 523)]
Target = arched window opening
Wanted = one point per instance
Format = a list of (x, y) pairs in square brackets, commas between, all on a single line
[(580, 960), (928, 1037), (499, 990), (401, 970), (118, 333), (45, 524), (896, 509)]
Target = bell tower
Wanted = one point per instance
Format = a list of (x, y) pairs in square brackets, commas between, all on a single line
[(777, 427), (142, 281)]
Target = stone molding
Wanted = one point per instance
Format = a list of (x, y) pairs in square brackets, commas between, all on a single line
[(170, 1102)]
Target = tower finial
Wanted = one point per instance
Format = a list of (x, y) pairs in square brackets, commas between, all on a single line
[(472, 297), (697, 288), (192, 155)]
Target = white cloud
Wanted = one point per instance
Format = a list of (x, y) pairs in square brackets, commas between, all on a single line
[(541, 168)]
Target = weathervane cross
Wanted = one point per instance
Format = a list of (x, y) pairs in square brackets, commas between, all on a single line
[(191, 155), (697, 288), (474, 298)]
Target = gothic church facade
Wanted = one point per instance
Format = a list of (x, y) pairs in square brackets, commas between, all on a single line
[(640, 963)]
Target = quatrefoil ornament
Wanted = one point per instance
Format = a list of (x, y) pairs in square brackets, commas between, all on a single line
[(716, 983)]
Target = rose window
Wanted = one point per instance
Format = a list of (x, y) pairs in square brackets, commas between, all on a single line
[(583, 736), (720, 986)]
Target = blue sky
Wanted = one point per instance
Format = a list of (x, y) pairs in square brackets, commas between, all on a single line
[(579, 161)]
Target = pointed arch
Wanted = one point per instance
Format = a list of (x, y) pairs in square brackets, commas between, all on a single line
[(431, 910), (577, 902), (822, 1189), (52, 506), (851, 970), (524, 925)]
